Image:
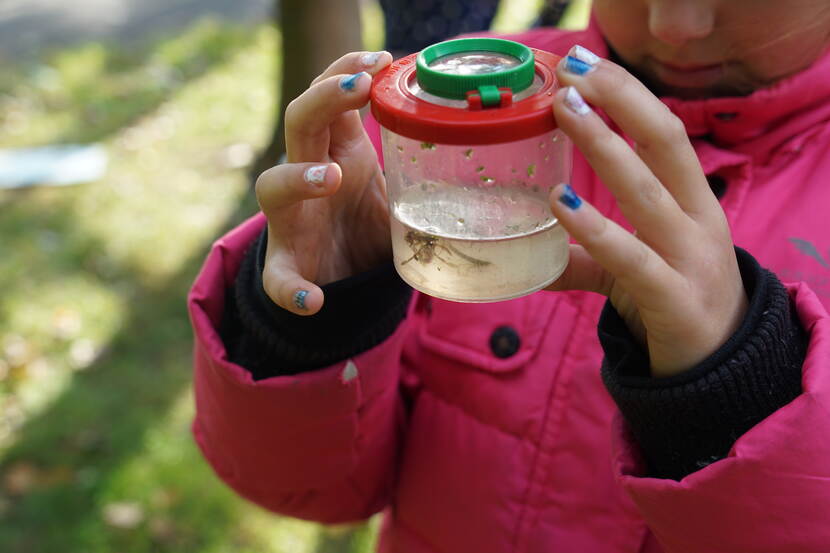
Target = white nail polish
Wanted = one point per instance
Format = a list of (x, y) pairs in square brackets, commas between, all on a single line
[(574, 101), (370, 59), (583, 54), (316, 175)]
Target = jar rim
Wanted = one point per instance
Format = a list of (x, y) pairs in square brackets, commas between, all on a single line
[(395, 108)]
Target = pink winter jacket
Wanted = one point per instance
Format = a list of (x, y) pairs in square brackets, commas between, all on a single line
[(527, 454)]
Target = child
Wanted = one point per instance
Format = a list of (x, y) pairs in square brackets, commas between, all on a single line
[(486, 427)]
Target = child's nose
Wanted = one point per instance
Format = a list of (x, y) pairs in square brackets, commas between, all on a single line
[(676, 22)]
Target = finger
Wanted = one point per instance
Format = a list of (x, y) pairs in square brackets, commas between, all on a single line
[(582, 273), (661, 136), (640, 195), (291, 183), (283, 283), (355, 62), (349, 126), (309, 116), (638, 269)]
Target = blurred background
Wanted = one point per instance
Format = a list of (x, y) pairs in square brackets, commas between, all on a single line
[(130, 135)]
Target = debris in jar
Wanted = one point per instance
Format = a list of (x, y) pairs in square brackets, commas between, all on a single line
[(469, 153), (400, 148), (413, 159), (480, 168), (487, 180), (531, 169), (427, 146)]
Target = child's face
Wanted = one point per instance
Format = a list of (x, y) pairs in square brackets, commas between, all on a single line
[(703, 48)]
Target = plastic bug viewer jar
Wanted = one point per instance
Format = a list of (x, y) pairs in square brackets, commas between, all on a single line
[(471, 151)]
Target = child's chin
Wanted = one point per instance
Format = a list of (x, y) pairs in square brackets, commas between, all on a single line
[(718, 91), (685, 93)]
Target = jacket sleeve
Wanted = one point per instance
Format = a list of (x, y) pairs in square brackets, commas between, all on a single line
[(771, 490), (320, 445)]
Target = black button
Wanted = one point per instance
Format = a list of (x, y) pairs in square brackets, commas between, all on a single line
[(718, 185), (504, 342)]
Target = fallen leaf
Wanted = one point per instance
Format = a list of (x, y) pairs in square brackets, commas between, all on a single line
[(66, 323), (162, 528), (56, 476), (20, 478), (82, 353), (123, 514), (17, 350)]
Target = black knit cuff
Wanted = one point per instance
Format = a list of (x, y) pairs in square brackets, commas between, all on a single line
[(359, 312), (685, 422)]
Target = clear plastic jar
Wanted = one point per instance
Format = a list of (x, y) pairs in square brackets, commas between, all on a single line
[(470, 209)]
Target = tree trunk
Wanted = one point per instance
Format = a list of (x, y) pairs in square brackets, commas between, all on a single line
[(314, 33)]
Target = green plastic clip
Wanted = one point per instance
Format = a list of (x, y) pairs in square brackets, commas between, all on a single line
[(490, 95)]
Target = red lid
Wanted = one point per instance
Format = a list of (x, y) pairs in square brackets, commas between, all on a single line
[(396, 108)]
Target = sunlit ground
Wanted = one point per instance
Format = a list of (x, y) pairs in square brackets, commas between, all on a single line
[(95, 399)]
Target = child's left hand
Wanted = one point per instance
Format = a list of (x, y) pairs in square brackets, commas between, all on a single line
[(676, 281)]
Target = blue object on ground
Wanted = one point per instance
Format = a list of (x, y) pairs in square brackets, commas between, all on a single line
[(58, 165)]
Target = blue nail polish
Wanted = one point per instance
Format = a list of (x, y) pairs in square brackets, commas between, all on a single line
[(348, 83), (569, 198), (299, 298), (577, 67)]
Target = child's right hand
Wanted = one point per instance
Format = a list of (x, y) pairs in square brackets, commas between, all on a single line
[(326, 207)]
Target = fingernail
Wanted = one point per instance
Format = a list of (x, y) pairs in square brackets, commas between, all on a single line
[(370, 59), (299, 298), (316, 175), (349, 82), (570, 198), (577, 67), (574, 102), (583, 54)]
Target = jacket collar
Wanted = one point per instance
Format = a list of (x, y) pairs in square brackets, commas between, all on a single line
[(767, 117)]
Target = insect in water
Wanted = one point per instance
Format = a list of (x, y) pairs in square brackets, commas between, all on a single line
[(425, 247)]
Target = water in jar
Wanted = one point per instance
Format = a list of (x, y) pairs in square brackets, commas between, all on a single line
[(474, 244)]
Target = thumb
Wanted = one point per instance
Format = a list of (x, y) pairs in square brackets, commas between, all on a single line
[(583, 273)]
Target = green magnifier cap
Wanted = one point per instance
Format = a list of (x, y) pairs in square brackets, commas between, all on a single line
[(451, 69)]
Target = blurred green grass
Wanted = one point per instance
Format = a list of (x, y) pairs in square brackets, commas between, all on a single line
[(95, 403)]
